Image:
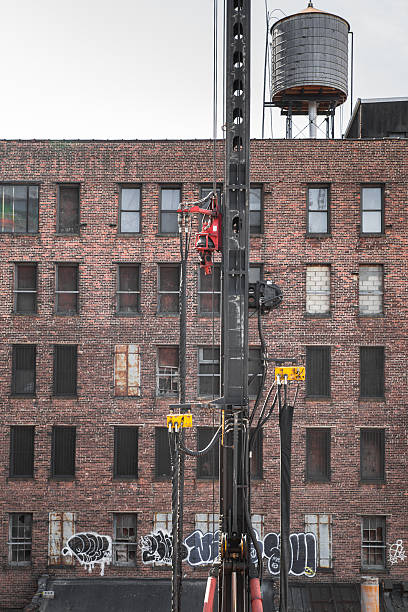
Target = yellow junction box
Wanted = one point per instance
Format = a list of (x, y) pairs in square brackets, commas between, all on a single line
[(292, 373), (181, 420)]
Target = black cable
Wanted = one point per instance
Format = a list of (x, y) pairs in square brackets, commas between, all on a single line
[(204, 451)]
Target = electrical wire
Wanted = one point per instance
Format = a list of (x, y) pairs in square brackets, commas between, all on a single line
[(203, 451)]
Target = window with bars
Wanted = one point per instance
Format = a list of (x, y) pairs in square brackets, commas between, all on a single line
[(20, 538), (127, 370), (318, 210), (25, 288), (256, 456), (162, 454), (318, 454), (63, 451), (371, 371), (65, 369), (321, 526), (61, 526), (255, 205), (128, 291), (22, 451), (170, 198), (66, 289), (167, 370), (370, 290), (254, 371), (318, 290), (372, 455), (318, 371), (169, 288), (19, 209), (373, 541), (209, 371), (372, 209), (129, 213), (208, 464), (126, 452), (125, 539), (209, 291), (68, 209), (24, 369)]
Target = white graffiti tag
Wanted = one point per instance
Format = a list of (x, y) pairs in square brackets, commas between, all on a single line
[(396, 552), (90, 549)]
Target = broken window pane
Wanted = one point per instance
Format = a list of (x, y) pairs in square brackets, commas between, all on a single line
[(20, 538), (125, 539), (373, 542), (167, 370)]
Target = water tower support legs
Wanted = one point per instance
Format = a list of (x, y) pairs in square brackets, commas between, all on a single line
[(312, 119), (289, 122)]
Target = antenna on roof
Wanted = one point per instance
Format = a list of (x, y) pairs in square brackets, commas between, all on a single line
[(310, 5)]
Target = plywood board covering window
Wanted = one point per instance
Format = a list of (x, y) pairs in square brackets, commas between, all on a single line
[(61, 528), (127, 370)]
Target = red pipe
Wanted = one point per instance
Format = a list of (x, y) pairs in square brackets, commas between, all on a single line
[(256, 599), (209, 594)]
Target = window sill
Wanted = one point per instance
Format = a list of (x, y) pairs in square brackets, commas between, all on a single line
[(25, 314), (128, 234), (125, 479), (208, 315), (205, 479), (22, 396), (162, 479), (374, 570), (325, 570), (62, 479), (320, 481), (65, 396), (380, 315), (67, 235), (20, 566), (127, 315), (60, 566), (372, 399), (379, 481), (318, 236), (167, 314), (316, 315), (372, 235), (167, 235), (20, 234), (66, 314), (318, 398), (20, 478)]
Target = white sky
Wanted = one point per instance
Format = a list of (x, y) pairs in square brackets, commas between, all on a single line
[(143, 69)]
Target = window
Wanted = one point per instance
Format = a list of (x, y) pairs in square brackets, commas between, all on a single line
[(67, 289), (370, 290), (169, 203), (167, 370), (128, 292), (318, 454), (169, 287), (162, 455), (207, 522), (68, 209), (65, 369), (127, 370), (24, 365), (22, 451), (254, 371), (256, 463), (19, 209), (371, 371), (372, 457), (25, 288), (255, 210), (318, 290), (207, 465), (126, 452), (162, 521), (125, 539), (318, 371), (20, 538), (255, 273), (372, 209), (373, 542), (318, 221), (321, 526), (129, 217), (209, 291), (61, 526), (209, 371), (63, 452)]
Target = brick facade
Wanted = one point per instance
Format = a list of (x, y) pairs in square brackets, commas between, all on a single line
[(289, 254)]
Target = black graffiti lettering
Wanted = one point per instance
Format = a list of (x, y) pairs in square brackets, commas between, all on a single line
[(202, 549), (272, 552)]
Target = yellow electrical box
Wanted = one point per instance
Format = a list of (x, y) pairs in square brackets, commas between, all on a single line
[(179, 420), (291, 372)]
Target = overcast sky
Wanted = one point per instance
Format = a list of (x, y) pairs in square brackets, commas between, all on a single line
[(143, 69)]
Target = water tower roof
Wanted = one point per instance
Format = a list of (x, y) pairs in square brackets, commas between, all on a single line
[(310, 10)]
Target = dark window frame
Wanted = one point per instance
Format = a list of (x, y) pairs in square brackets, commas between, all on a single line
[(129, 542), (28, 186), (117, 475), (374, 521), (13, 454), (380, 186), (326, 186), (17, 291), (172, 375), (60, 186), (75, 367), (308, 375), (161, 436), (58, 266), (14, 392), (310, 476), (174, 187), (119, 291), (381, 450), (250, 374), (200, 292), (25, 542), (380, 379), (257, 455), (217, 351), (166, 313), (212, 455), (54, 474), (122, 186), (220, 187)]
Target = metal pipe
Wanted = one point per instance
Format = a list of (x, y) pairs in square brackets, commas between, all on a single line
[(312, 119), (234, 591), (370, 600), (352, 72)]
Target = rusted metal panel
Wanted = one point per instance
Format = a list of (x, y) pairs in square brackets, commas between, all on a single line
[(61, 528), (133, 370), (127, 370)]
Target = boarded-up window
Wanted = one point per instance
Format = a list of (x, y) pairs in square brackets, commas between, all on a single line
[(128, 293), (321, 526), (209, 291), (68, 209), (61, 528), (162, 456), (370, 290), (373, 542), (318, 290), (207, 465), (65, 369), (125, 539), (22, 451), (25, 288), (63, 452), (67, 289), (318, 371), (371, 371), (20, 538), (372, 455), (318, 454), (24, 361), (209, 371), (169, 286), (127, 370), (256, 459), (167, 370), (126, 452)]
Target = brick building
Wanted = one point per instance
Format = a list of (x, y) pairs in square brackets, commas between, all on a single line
[(89, 362)]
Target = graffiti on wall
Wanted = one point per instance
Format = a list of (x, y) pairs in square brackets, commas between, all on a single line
[(202, 548), (396, 552), (90, 549)]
